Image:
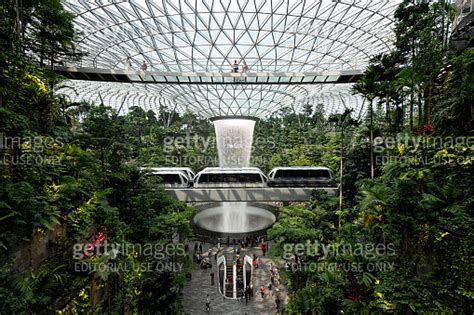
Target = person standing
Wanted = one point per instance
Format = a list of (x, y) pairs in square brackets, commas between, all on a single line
[(277, 303), (244, 68), (271, 268), (212, 277), (235, 67), (144, 66), (200, 248), (128, 63), (270, 289), (262, 291), (208, 303), (277, 278), (241, 294)]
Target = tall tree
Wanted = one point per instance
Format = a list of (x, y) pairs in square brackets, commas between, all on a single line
[(342, 121), (367, 87), (52, 33), (421, 30)]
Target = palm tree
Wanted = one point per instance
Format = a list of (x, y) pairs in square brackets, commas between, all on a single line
[(365, 87), (342, 121)]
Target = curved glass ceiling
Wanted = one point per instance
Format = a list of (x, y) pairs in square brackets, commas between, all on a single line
[(208, 35), (218, 100)]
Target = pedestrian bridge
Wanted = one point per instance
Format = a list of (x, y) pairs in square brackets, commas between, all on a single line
[(132, 76), (267, 194)]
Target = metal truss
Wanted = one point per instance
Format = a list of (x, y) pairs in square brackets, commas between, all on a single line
[(219, 100), (208, 35)]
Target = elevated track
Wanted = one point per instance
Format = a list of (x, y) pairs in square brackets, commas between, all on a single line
[(268, 194)]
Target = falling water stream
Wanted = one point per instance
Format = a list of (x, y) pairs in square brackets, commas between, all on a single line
[(234, 146), (234, 141)]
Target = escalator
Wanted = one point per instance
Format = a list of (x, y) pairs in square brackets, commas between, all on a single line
[(229, 284)]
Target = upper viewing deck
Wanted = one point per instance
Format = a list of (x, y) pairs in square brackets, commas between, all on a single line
[(132, 76)]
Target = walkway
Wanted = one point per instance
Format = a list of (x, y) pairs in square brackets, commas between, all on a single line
[(195, 291), (203, 78)]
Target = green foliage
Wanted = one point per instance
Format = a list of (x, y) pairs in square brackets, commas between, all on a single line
[(295, 225), (454, 106), (420, 211), (88, 180), (76, 166)]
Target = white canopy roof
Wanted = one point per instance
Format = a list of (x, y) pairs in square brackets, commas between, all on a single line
[(208, 35)]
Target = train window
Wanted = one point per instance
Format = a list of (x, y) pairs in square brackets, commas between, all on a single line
[(253, 178), (214, 178), (230, 178), (171, 178), (301, 173), (321, 174), (289, 174), (205, 178), (279, 174)]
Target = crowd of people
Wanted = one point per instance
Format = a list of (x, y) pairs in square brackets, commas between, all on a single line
[(204, 258), (248, 242), (203, 261)]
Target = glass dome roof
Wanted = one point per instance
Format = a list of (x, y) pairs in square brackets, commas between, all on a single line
[(208, 35)]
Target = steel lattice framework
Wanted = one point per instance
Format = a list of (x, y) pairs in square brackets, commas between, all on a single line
[(208, 35)]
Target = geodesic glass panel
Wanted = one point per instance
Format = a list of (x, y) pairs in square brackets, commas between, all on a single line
[(208, 35)]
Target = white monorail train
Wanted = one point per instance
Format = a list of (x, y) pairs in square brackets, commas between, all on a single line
[(301, 176), (170, 177), (221, 177), (186, 170)]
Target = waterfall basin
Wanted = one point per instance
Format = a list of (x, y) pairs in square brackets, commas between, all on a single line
[(234, 218)]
